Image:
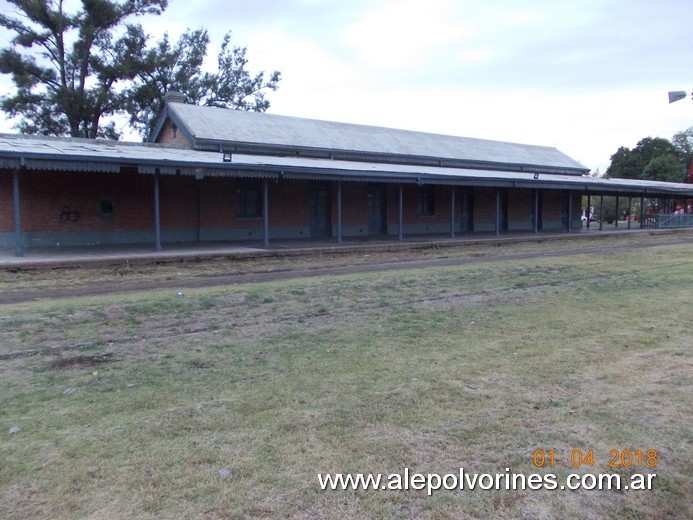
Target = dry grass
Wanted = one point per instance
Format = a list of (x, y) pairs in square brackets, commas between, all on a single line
[(130, 405)]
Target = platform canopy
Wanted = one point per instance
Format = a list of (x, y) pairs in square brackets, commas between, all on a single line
[(108, 157)]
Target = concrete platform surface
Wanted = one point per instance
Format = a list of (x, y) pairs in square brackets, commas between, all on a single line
[(35, 258)]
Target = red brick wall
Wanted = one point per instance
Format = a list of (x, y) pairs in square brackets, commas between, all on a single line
[(188, 204), (217, 209), (6, 208), (484, 206), (442, 196), (185, 202), (520, 209), (168, 136), (354, 204), (552, 208), (410, 199), (179, 201), (288, 202), (45, 195)]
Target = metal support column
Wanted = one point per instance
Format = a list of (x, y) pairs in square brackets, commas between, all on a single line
[(157, 213), (536, 212), (339, 212), (18, 249), (630, 206), (400, 224), (601, 212), (589, 210), (452, 212), (642, 211), (265, 213), (617, 211)]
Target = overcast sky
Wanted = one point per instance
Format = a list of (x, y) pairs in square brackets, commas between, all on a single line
[(585, 76)]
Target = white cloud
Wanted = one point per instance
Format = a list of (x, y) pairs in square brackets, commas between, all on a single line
[(403, 33), (475, 55), (515, 18)]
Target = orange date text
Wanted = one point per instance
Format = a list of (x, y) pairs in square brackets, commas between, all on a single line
[(578, 458)]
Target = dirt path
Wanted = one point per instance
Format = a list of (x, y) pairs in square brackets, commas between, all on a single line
[(387, 263)]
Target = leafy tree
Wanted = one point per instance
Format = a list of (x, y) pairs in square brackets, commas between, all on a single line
[(624, 164), (611, 212), (665, 167), (684, 142), (166, 68), (232, 86), (178, 68), (67, 67), (653, 158)]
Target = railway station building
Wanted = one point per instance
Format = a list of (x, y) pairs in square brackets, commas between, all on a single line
[(219, 175)]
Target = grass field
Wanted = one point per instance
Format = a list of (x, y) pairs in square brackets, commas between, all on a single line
[(129, 405)]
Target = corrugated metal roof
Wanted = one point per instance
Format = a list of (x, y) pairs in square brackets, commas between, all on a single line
[(50, 153), (95, 149), (397, 172), (53, 153), (220, 125)]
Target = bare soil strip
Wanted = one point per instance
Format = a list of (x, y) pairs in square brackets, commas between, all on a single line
[(222, 279)]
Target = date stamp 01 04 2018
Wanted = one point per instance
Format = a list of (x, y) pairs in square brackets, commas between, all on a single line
[(579, 458)]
